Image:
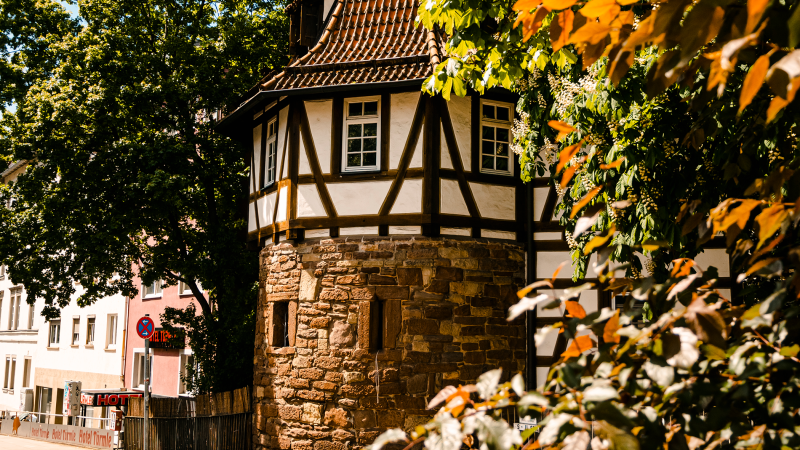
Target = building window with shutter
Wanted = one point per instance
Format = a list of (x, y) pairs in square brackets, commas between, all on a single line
[(270, 155), (152, 290), (55, 333), (90, 331), (361, 134), (13, 317), (495, 156), (111, 332), (282, 324), (76, 331)]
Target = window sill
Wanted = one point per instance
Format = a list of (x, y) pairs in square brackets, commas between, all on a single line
[(89, 346), (75, 345), (110, 349), (152, 297), (267, 187), (53, 348), (375, 170)]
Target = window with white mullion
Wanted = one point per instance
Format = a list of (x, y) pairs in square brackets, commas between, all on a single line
[(270, 154), (496, 139), (361, 135)]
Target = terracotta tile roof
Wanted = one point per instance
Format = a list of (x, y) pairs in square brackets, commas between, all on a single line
[(365, 41)]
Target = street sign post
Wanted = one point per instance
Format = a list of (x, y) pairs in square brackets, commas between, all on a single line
[(145, 328)]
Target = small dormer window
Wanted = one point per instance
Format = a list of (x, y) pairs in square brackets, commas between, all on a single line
[(270, 154), (361, 134), (496, 138)]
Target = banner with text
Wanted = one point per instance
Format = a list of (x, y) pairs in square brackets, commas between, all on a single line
[(63, 434)]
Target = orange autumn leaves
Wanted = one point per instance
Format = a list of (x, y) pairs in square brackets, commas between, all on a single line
[(681, 29)]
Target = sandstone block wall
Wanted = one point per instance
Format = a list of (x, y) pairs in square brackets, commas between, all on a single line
[(444, 305)]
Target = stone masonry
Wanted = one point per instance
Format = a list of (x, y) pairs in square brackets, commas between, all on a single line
[(444, 304)]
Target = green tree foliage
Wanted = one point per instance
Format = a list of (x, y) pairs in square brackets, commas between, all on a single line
[(114, 111), (663, 124)]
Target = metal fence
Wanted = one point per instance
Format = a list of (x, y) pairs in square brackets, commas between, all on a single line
[(208, 422), (230, 432)]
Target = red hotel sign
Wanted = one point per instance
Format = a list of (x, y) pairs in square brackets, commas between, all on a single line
[(107, 398), (161, 338)]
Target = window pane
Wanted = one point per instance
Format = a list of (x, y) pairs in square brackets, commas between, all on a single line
[(354, 160), (502, 149), (488, 132), (354, 130), (370, 129), (502, 113), (488, 147), (502, 134), (353, 145), (371, 108), (488, 111), (354, 109), (370, 145), (502, 163), (370, 159), (487, 162)]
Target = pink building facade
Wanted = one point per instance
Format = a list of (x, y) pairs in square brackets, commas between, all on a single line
[(168, 365)]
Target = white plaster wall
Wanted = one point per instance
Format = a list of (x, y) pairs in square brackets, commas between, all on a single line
[(460, 113), (451, 200), (548, 262), (405, 230), (359, 198), (446, 162), (282, 205), (547, 236), (354, 231), (256, 159), (587, 299), (19, 343), (403, 106), (494, 202), (266, 208), (82, 358), (319, 119), (409, 199), (309, 203), (303, 166), (416, 158), (497, 234), (714, 257), (325, 232), (283, 118), (548, 345), (455, 231), (539, 198), (251, 217)]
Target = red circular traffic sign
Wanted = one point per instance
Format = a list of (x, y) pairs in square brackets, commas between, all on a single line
[(145, 327)]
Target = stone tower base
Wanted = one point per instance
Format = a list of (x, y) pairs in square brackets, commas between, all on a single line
[(431, 309)]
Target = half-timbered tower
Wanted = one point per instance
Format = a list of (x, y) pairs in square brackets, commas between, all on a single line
[(391, 226)]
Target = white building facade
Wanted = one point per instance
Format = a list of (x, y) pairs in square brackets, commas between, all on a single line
[(39, 356)]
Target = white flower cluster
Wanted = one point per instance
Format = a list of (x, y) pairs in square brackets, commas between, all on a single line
[(520, 132)]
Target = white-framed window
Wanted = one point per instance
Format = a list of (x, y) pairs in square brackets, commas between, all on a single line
[(362, 134), (138, 368), (55, 333), (184, 289), (13, 316), (187, 360), (76, 331), (11, 369), (496, 125), (270, 158), (26, 373), (90, 326), (152, 290), (111, 331), (31, 315)]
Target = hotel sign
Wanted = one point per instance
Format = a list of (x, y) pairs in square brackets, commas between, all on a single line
[(107, 398), (162, 338)]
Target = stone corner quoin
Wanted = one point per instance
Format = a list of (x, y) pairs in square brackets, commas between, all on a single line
[(439, 306)]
